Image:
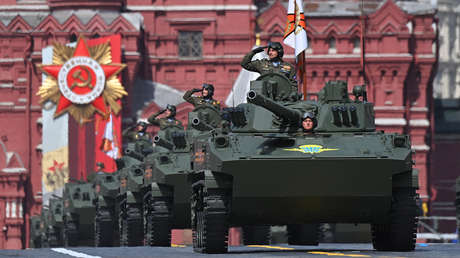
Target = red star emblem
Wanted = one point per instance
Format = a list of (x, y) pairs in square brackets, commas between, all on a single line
[(80, 79), (56, 166)]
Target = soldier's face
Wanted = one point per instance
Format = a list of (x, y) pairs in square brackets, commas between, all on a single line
[(205, 92), (272, 53), (167, 112), (307, 124)]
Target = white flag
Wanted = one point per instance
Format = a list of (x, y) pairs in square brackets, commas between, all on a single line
[(108, 144), (295, 35)]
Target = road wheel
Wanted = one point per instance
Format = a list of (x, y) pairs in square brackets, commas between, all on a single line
[(210, 212), (158, 221), (104, 227), (70, 232), (303, 234), (131, 226), (399, 233), (256, 235)]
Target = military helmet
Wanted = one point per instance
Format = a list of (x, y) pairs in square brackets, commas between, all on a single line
[(308, 115), (171, 109), (276, 46), (209, 88), (358, 91), (142, 123)]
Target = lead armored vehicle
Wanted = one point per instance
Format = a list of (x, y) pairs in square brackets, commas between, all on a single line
[(79, 211), (267, 171)]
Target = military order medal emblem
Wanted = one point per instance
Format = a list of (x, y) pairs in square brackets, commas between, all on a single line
[(82, 80)]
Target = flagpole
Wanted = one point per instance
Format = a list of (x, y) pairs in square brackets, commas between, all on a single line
[(303, 70), (363, 58)]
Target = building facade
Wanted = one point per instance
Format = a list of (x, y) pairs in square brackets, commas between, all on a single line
[(446, 136), (172, 46)]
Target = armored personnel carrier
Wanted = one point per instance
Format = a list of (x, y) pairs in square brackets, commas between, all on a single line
[(130, 198), (457, 205), (79, 211), (35, 232), (267, 171), (106, 187), (55, 223)]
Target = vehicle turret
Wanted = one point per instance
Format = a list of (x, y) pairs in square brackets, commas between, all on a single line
[(291, 115), (163, 143)]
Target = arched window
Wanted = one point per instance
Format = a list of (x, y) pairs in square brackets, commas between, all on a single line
[(309, 48), (73, 37), (356, 45), (332, 47)]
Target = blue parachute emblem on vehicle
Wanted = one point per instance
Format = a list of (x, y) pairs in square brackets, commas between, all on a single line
[(310, 148)]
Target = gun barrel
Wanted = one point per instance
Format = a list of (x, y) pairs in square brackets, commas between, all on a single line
[(197, 122), (163, 143), (289, 114)]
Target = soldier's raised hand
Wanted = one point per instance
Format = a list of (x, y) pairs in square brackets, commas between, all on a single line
[(196, 90), (259, 49)]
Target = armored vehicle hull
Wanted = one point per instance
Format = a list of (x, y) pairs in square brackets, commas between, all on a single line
[(44, 222), (268, 171), (129, 199), (106, 187), (79, 212), (35, 235), (362, 183), (166, 196), (55, 222), (166, 186)]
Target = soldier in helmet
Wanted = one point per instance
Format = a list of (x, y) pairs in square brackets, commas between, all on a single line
[(168, 120), (100, 167), (139, 133), (207, 91), (274, 64), (308, 122)]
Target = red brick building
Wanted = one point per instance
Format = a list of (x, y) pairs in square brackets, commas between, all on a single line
[(171, 46)]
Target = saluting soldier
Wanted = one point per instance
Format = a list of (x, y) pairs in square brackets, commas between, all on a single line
[(138, 134), (207, 91), (274, 64), (168, 120)]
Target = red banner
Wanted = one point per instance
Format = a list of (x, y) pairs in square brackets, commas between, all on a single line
[(107, 130)]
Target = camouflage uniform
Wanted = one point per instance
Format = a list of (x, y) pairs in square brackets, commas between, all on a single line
[(164, 123), (132, 136), (265, 66), (199, 100)]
